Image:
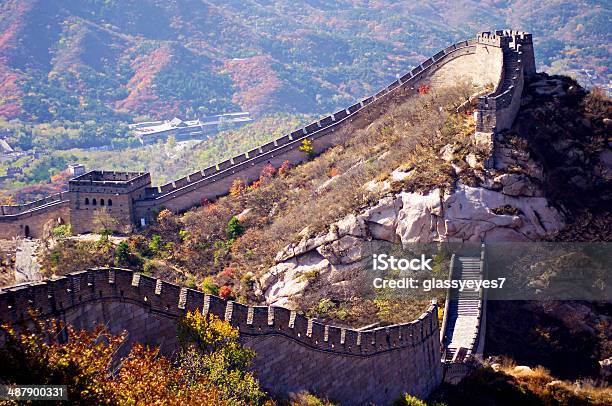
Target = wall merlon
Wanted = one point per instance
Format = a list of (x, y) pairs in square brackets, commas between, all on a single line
[(214, 305), (300, 325), (181, 182), (352, 340), (147, 288), (227, 164), (316, 332), (194, 300), (237, 314), (334, 336), (354, 108)]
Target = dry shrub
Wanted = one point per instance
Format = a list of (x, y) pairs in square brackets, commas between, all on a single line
[(597, 103)]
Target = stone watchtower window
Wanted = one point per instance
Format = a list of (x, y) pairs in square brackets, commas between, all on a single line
[(110, 202), (87, 201), (101, 202), (94, 202)]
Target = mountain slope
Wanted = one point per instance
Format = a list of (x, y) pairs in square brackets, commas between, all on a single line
[(120, 59)]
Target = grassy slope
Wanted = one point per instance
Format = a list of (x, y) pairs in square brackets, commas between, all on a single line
[(196, 250)]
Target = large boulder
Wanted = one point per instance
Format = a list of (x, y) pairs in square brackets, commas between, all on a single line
[(420, 217), (287, 280), (476, 213), (381, 220)]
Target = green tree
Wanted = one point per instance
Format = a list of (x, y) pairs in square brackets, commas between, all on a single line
[(234, 229), (62, 231), (122, 253), (156, 244)]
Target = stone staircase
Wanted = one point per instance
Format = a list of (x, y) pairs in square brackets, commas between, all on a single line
[(464, 312), (510, 65)]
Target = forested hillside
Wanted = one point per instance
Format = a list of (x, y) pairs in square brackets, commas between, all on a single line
[(87, 66)]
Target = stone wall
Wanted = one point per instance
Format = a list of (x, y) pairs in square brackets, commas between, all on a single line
[(501, 58), (481, 65), (293, 353), (31, 223), (496, 111), (480, 61)]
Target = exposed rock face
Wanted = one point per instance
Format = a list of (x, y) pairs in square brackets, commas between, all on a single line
[(476, 213), (507, 206), (509, 201), (467, 214)]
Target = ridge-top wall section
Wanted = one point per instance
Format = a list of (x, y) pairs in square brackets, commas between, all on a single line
[(479, 63)]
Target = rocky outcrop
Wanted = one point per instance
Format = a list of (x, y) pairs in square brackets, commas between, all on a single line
[(515, 212), (508, 197)]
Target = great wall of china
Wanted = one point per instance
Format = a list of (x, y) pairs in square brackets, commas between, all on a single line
[(293, 352), (502, 58)]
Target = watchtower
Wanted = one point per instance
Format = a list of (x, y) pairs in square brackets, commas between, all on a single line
[(105, 199)]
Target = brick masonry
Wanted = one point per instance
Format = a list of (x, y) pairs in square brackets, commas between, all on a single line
[(293, 353)]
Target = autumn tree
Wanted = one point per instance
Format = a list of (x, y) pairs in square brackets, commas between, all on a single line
[(284, 168), (168, 222), (238, 188), (84, 362), (211, 351), (6, 200), (307, 147)]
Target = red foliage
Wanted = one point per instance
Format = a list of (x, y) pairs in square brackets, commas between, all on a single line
[(268, 171), (14, 16), (225, 292), (284, 168), (142, 98), (228, 272), (423, 89), (257, 82), (256, 184)]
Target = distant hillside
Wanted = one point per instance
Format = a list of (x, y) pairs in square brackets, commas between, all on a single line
[(116, 60)]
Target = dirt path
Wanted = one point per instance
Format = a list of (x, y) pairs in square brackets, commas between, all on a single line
[(27, 267)]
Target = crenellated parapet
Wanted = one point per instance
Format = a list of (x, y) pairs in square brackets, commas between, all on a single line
[(17, 209), (294, 352), (54, 298), (496, 111), (501, 57), (213, 181)]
